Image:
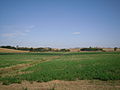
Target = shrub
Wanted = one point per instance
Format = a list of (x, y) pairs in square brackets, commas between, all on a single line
[(91, 49)]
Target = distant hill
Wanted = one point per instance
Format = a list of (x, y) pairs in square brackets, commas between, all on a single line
[(4, 50)]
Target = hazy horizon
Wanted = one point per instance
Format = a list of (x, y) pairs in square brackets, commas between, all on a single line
[(60, 23)]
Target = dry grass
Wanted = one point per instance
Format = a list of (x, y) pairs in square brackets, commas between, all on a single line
[(4, 50), (64, 85)]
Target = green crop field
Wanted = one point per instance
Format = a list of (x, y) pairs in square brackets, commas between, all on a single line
[(43, 67)]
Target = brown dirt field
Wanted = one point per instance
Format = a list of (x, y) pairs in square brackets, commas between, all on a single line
[(74, 49), (64, 85), (111, 49), (4, 50)]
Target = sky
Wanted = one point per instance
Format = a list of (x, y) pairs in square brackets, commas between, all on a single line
[(60, 23)]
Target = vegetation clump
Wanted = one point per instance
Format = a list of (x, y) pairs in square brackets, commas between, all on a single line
[(91, 49)]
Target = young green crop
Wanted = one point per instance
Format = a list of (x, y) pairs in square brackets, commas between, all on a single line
[(66, 66)]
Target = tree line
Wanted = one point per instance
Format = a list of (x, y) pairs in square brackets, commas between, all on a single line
[(40, 49), (48, 49)]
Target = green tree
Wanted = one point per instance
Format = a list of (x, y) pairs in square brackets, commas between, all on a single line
[(115, 48)]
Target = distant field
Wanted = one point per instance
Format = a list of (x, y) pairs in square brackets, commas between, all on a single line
[(43, 67), (110, 49), (4, 50)]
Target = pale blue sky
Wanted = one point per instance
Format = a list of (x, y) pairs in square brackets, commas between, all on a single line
[(60, 23)]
